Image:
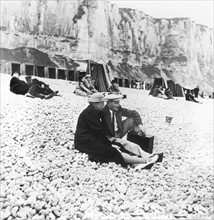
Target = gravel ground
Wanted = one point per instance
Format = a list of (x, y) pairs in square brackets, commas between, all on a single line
[(43, 177)]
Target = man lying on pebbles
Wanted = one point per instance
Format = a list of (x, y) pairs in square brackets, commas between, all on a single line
[(34, 88), (91, 139)]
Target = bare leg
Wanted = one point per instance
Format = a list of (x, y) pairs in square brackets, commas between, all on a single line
[(132, 147)]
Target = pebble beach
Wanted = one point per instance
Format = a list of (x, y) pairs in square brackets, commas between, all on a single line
[(44, 178)]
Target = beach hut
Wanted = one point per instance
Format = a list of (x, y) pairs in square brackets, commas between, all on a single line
[(179, 90), (175, 88), (99, 74), (158, 82)]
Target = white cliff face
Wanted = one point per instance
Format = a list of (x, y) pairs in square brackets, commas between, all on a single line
[(98, 30)]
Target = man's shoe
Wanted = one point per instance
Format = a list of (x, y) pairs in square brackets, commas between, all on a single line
[(49, 96), (145, 166), (29, 95)]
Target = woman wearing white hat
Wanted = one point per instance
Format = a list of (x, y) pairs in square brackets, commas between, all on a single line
[(91, 139), (89, 136)]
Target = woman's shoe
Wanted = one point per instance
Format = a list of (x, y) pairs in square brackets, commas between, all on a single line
[(146, 166), (160, 157)]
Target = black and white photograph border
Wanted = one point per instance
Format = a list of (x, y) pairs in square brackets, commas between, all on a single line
[(43, 176)]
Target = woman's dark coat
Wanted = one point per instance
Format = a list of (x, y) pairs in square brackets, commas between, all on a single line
[(18, 86), (90, 138)]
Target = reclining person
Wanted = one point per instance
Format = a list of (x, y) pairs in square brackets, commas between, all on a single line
[(33, 89), (91, 139)]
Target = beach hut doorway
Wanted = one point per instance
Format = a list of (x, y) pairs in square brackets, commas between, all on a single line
[(40, 71), (120, 82), (15, 67), (61, 74), (29, 70), (52, 73), (71, 75), (126, 83)]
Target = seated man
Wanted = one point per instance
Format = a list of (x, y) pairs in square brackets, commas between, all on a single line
[(91, 139), (20, 87), (121, 127), (114, 88)]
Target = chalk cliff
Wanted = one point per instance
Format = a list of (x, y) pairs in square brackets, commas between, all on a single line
[(128, 40)]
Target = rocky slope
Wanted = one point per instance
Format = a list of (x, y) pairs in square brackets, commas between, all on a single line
[(98, 30)]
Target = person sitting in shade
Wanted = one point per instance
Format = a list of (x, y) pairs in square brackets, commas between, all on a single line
[(114, 88), (91, 139), (32, 89), (158, 92), (168, 94), (196, 91)]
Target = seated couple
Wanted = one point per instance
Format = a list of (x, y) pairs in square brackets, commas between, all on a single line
[(160, 92), (85, 86), (97, 136), (190, 97), (34, 88)]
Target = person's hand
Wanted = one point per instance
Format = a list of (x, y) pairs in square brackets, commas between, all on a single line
[(142, 130), (115, 146)]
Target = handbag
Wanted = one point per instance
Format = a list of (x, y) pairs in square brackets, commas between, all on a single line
[(145, 142)]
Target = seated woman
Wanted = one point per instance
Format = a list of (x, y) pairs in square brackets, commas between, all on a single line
[(88, 83), (81, 89), (91, 139)]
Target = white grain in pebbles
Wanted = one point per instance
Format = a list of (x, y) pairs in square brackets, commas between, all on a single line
[(43, 177)]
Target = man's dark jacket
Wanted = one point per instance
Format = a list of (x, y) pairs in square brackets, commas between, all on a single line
[(122, 112), (90, 138)]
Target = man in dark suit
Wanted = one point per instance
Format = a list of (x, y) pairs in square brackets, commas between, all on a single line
[(115, 128), (114, 111)]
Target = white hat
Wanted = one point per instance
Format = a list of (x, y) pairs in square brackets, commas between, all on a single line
[(96, 97), (113, 97)]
